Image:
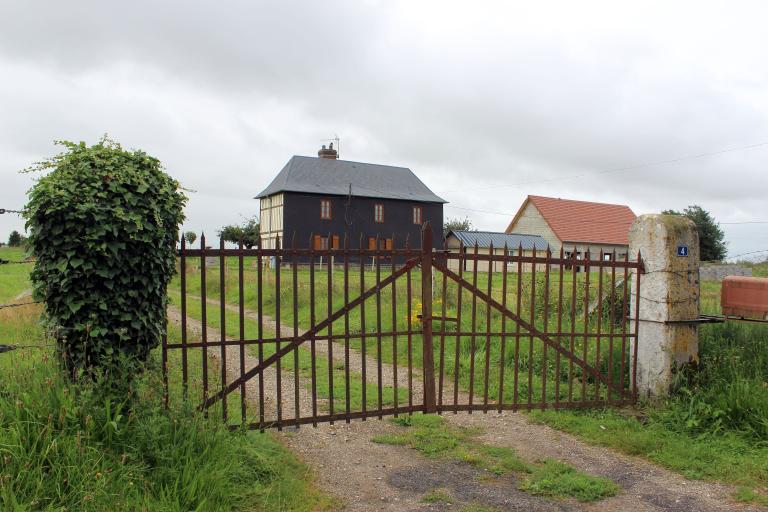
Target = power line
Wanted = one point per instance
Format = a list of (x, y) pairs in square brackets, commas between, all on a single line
[(617, 169), (747, 253), (8, 348), (508, 214)]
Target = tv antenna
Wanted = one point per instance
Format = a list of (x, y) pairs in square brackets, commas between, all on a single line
[(338, 144)]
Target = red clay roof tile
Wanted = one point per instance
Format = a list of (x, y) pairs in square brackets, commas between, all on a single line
[(584, 221)]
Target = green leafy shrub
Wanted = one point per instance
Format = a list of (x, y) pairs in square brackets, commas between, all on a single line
[(103, 226)]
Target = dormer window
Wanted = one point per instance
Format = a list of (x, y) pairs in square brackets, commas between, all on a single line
[(325, 209)]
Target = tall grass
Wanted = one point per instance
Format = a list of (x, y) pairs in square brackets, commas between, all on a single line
[(728, 390), (67, 446)]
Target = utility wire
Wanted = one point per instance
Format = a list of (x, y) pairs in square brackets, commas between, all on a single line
[(9, 262), (19, 304), (8, 348), (617, 169), (508, 214), (748, 253)]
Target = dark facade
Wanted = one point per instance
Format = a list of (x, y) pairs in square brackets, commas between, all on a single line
[(355, 217), (317, 202)]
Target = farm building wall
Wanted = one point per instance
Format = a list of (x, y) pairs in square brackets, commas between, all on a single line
[(531, 222), (582, 248)]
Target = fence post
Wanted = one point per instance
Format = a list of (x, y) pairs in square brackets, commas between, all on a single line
[(665, 310), (426, 318)]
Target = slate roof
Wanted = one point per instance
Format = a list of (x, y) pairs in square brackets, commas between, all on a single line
[(585, 221), (513, 240), (333, 177)]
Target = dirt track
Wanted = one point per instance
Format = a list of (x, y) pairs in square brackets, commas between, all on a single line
[(367, 476)]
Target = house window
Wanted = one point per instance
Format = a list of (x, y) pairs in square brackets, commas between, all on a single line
[(417, 215), (321, 242), (607, 256), (325, 209), (378, 212), (381, 244)]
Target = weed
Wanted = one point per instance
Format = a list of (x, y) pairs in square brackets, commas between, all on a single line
[(553, 478), (745, 494), (436, 496)]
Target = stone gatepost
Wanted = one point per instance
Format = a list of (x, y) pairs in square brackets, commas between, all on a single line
[(669, 297)]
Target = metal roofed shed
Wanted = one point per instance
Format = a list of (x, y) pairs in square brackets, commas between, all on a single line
[(466, 240), (498, 240), (328, 176)]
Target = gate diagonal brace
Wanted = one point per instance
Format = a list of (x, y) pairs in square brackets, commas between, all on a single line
[(232, 386), (531, 329)]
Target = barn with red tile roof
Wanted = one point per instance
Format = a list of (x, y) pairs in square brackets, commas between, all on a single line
[(576, 226)]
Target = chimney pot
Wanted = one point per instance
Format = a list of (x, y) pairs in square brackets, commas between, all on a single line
[(328, 153)]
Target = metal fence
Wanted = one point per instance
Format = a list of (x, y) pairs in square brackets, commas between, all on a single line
[(394, 331)]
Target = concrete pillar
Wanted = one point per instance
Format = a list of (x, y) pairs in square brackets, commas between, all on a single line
[(669, 292)]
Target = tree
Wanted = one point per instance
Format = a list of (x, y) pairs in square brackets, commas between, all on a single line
[(457, 225), (14, 240), (248, 233), (190, 237), (712, 244), (103, 228)]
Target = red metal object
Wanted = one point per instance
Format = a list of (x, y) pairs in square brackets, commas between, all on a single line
[(745, 297)]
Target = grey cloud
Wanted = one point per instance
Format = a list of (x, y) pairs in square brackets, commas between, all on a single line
[(470, 99)]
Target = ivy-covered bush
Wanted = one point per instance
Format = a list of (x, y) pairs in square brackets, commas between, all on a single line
[(103, 227)]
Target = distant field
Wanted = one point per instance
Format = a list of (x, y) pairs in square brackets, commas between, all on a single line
[(14, 278)]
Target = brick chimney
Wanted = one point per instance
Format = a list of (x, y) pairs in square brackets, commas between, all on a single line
[(328, 153)]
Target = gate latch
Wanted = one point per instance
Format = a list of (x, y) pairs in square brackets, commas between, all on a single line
[(442, 319)]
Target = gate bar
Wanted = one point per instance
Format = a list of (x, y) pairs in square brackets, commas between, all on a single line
[(304, 337), (426, 318), (530, 328)]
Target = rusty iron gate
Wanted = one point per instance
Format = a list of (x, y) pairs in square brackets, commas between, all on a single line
[(304, 336)]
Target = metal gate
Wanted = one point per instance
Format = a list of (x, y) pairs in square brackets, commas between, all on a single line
[(303, 336)]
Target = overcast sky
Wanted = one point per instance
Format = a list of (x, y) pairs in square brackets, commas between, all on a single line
[(485, 101)]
